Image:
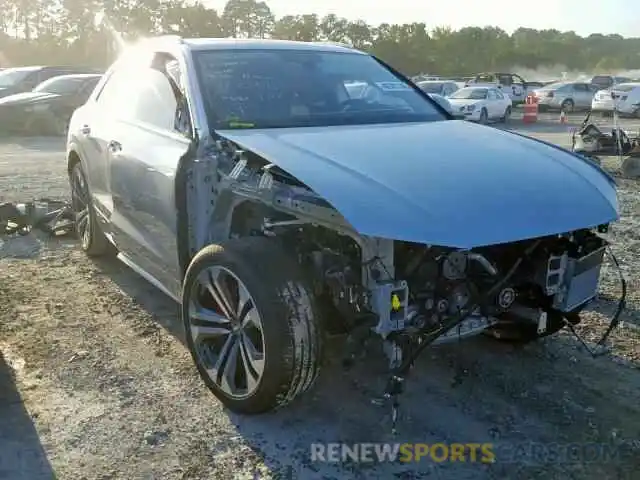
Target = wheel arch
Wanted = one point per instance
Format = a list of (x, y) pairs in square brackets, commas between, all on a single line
[(73, 157)]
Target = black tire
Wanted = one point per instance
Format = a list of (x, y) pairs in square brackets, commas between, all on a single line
[(507, 115), (568, 106), (484, 117), (92, 239), (290, 327)]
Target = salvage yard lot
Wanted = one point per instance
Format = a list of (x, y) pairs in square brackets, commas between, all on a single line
[(95, 382)]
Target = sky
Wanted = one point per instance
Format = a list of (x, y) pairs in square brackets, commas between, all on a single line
[(582, 16)]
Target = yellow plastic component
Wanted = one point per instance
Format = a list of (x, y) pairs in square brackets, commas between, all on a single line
[(236, 124), (395, 302)]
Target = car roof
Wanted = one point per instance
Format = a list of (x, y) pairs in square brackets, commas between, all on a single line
[(263, 44)]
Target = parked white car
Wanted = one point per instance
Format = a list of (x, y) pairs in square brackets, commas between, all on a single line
[(625, 97), (481, 104)]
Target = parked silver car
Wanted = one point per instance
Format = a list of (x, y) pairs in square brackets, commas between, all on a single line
[(440, 87), (567, 96), (277, 209)]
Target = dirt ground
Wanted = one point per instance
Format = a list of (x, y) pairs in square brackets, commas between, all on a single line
[(95, 382)]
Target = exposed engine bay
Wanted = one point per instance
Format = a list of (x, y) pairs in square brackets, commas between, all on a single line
[(411, 295), (529, 282)]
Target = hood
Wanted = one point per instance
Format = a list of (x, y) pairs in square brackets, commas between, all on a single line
[(449, 183), (27, 98)]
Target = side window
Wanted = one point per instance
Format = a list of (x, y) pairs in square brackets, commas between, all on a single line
[(31, 80), (155, 102), (491, 95), (167, 66), (499, 95), (117, 93), (506, 80)]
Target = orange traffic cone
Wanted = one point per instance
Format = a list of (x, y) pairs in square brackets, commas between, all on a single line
[(563, 117)]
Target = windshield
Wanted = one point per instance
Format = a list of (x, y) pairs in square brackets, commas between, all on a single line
[(298, 88), (13, 76), (431, 87), (63, 85), (470, 94)]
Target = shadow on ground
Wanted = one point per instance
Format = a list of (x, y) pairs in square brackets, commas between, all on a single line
[(22, 456), (163, 309)]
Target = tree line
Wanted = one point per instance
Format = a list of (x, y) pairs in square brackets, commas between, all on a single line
[(89, 32)]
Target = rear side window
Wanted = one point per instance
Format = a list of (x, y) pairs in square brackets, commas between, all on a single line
[(117, 94)]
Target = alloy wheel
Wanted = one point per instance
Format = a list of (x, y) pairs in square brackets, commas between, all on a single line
[(227, 332), (80, 204)]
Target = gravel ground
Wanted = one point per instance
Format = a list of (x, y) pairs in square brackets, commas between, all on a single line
[(95, 382)]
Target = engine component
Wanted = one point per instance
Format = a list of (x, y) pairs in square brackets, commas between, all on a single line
[(454, 266), (458, 300), (580, 282), (506, 297)]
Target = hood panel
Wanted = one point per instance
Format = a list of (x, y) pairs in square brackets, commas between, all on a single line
[(449, 183)]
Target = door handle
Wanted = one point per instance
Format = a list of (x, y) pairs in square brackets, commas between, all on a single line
[(114, 146), (85, 130)]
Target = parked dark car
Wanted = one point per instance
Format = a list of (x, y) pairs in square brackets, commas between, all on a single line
[(24, 79), (48, 107)]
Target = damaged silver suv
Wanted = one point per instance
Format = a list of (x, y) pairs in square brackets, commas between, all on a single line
[(283, 191)]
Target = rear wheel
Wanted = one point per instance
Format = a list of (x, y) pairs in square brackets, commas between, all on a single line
[(251, 325), (88, 230), (568, 106)]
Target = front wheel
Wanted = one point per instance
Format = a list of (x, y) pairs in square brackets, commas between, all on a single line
[(251, 324), (507, 115), (484, 117)]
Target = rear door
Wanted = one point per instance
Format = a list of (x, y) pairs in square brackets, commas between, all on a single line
[(492, 103), (582, 95), (102, 118)]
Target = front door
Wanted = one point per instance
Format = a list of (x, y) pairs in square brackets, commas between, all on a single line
[(142, 172)]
